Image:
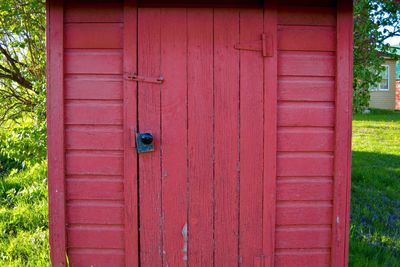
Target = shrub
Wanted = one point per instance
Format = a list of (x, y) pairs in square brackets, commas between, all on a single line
[(23, 217), (23, 145)]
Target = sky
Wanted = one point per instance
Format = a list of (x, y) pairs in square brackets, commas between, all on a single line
[(394, 40)]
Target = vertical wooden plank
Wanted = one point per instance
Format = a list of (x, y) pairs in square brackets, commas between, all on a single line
[(55, 132), (200, 136), (270, 133), (342, 173), (130, 124), (226, 97), (149, 58), (251, 139), (174, 135)]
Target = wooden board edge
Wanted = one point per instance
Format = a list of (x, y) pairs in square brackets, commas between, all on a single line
[(270, 132), (55, 132), (342, 169), (130, 125)]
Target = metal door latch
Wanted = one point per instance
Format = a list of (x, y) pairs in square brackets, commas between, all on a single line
[(144, 142), (138, 78), (263, 45)]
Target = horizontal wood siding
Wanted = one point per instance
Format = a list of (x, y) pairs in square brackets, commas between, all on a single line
[(306, 120), (93, 54), (95, 143)]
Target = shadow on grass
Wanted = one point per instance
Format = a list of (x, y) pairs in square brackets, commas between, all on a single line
[(378, 169), (378, 115), (375, 209), (6, 165)]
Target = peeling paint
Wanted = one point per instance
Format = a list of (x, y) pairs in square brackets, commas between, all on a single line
[(159, 250), (185, 242)]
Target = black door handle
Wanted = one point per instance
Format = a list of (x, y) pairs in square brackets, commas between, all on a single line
[(146, 138)]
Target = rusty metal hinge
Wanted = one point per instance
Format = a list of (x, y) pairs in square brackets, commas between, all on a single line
[(263, 45), (138, 78), (132, 137)]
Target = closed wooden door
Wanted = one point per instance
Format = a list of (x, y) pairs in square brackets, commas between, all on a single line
[(201, 190)]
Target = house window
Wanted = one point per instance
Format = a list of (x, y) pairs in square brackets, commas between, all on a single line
[(384, 84)]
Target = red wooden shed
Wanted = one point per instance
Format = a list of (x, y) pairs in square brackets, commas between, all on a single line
[(199, 133)]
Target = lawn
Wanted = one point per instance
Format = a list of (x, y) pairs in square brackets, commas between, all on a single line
[(375, 199)]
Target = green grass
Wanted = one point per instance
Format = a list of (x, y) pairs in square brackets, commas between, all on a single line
[(23, 217), (375, 199), (23, 195)]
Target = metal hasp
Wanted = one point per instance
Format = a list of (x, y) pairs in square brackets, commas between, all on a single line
[(144, 142), (263, 45), (138, 78)]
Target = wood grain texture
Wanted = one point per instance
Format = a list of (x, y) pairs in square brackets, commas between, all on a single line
[(305, 139), (93, 138), (131, 216), (301, 189), (306, 114), (251, 160), (303, 237), (270, 133), (91, 189), (89, 35), (307, 15), (102, 237), (93, 88), (307, 89), (55, 133), (95, 61), (149, 115), (304, 63), (174, 136), (303, 213), (301, 257), (95, 212), (344, 93), (304, 164), (251, 143), (97, 257), (93, 11), (94, 163), (79, 113), (200, 136), (303, 38), (226, 97)]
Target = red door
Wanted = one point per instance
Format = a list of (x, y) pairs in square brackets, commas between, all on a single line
[(201, 189)]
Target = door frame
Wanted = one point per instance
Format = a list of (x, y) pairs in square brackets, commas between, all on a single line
[(130, 128)]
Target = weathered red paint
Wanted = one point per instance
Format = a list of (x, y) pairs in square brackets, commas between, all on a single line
[(344, 80), (130, 125), (200, 130), (55, 132), (251, 122)]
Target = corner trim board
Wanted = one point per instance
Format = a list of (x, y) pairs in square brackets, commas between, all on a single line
[(270, 133), (55, 132), (342, 163)]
